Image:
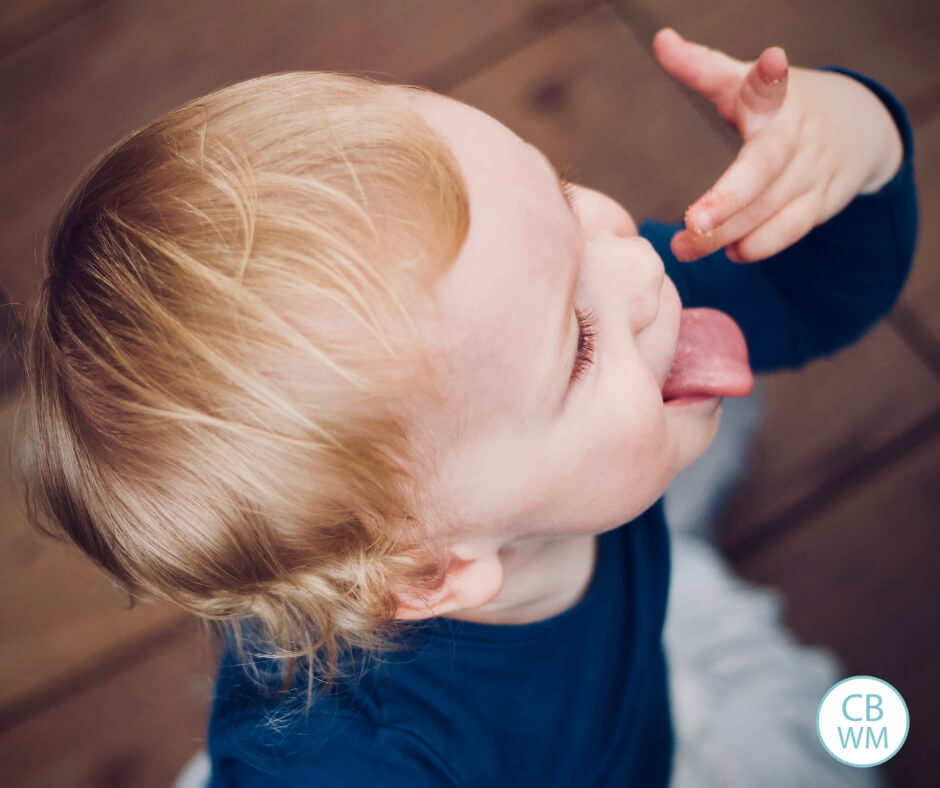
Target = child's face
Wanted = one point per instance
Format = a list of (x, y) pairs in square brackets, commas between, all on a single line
[(543, 453)]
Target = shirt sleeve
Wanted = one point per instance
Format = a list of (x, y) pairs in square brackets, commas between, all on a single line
[(340, 752), (826, 290)]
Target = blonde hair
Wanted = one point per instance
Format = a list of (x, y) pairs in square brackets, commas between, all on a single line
[(217, 360)]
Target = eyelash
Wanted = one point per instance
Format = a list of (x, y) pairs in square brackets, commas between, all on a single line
[(587, 322), (586, 343), (569, 190), (566, 177)]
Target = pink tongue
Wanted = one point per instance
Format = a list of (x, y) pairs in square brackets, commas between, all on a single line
[(711, 358)]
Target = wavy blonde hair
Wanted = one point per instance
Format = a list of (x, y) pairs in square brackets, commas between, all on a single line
[(218, 360)]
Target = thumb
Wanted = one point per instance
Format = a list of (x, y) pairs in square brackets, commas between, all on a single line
[(710, 73)]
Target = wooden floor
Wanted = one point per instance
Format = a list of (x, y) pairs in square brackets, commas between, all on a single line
[(840, 505)]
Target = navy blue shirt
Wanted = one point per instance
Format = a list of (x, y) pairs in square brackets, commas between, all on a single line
[(579, 699)]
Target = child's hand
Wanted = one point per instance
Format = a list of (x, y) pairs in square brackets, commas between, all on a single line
[(812, 141)]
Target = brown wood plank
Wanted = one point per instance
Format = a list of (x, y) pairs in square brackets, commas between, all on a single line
[(69, 94), (823, 420), (922, 292), (135, 729), (860, 576), (896, 43), (11, 371), (22, 21), (591, 96), (61, 614)]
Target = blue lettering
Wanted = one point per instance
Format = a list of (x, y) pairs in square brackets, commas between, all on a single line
[(850, 734), (884, 732), (845, 710), (869, 707)]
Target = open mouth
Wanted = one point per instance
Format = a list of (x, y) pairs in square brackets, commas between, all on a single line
[(678, 402)]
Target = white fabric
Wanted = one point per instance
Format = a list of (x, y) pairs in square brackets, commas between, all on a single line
[(744, 690), (195, 773)]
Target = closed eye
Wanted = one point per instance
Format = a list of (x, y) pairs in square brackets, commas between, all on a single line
[(569, 190), (586, 343)]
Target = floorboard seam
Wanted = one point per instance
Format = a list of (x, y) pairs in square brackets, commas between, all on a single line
[(447, 76), (67, 685), (12, 45), (916, 337), (767, 534), (643, 24)]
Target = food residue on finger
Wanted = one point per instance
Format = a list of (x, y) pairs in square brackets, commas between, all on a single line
[(701, 222), (700, 217)]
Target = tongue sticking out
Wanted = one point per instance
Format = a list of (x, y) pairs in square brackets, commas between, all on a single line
[(711, 358)]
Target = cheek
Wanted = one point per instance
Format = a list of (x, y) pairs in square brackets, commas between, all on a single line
[(636, 441), (624, 226)]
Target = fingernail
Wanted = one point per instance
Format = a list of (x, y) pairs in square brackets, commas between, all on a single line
[(704, 220)]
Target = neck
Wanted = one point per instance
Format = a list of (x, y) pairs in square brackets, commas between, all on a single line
[(542, 577)]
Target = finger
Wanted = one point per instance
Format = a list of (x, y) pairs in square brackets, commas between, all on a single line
[(732, 253), (791, 186), (711, 73), (757, 165), (783, 229), (688, 247), (764, 87)]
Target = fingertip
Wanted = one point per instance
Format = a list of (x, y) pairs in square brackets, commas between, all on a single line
[(666, 32), (675, 246), (664, 38), (772, 65), (705, 214), (702, 218), (680, 247), (778, 53)]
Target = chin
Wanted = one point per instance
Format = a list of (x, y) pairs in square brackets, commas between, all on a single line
[(698, 428), (711, 430)]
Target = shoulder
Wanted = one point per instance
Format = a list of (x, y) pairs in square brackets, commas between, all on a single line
[(335, 750), (259, 738)]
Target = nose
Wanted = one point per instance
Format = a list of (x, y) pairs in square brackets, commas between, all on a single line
[(644, 273), (631, 270)]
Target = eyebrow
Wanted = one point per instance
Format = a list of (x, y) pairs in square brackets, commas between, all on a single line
[(550, 385)]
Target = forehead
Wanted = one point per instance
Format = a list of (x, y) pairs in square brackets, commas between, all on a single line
[(498, 301)]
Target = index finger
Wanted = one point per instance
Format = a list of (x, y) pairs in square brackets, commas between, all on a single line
[(757, 165)]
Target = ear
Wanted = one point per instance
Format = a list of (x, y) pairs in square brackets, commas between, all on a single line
[(468, 583)]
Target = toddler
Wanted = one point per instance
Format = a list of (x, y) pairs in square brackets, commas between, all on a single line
[(347, 368)]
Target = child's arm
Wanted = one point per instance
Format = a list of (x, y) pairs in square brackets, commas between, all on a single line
[(822, 151)]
